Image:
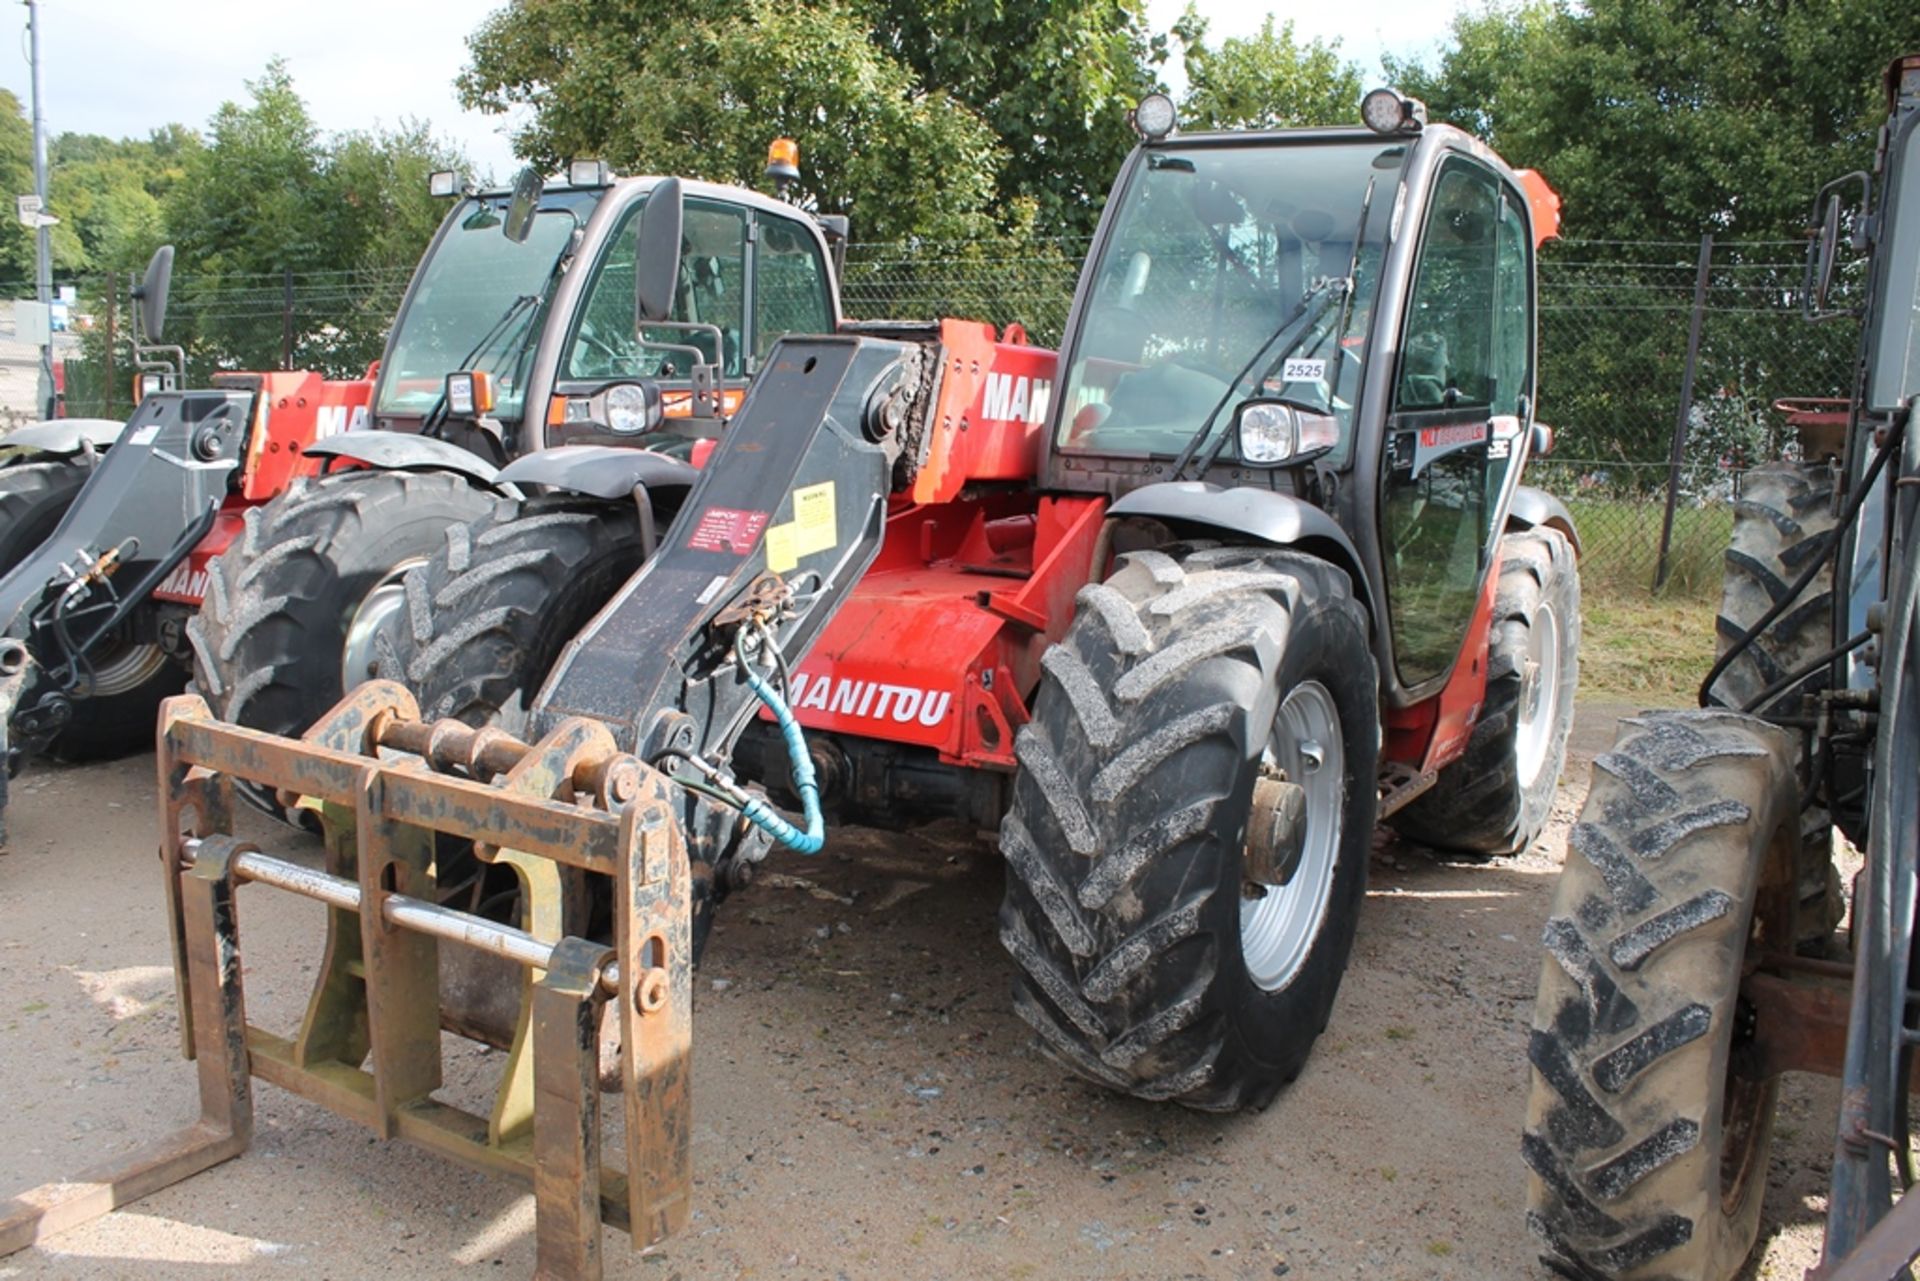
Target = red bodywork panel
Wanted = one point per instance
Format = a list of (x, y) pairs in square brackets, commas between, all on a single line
[(1434, 732), (940, 643), (292, 410)]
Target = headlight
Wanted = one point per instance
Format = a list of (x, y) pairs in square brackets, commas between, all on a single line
[(628, 410), (1266, 433), (1272, 432)]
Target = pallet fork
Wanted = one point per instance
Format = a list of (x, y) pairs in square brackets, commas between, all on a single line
[(377, 1000)]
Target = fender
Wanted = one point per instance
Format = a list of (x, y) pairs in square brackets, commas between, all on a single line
[(599, 471), (405, 451), (64, 437), (1532, 508), (1262, 514)]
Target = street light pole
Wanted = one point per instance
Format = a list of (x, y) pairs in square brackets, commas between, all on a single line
[(43, 265)]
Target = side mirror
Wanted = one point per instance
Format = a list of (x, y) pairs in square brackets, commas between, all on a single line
[(656, 253), (1827, 249), (1823, 251), (520, 209), (151, 292)]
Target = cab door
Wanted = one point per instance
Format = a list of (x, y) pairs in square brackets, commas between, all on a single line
[(1460, 396)]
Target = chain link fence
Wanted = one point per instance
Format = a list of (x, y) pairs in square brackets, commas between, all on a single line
[(1638, 341)]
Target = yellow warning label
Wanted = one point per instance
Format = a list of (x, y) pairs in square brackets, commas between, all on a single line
[(814, 526), (780, 554)]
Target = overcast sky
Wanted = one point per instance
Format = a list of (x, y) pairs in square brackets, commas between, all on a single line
[(122, 68)]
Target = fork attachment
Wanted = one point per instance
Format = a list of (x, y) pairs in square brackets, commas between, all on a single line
[(564, 810)]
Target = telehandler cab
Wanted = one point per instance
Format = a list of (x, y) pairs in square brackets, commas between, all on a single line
[(1183, 612), (292, 504)]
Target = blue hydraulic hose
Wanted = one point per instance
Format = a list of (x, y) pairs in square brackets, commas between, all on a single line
[(764, 815)]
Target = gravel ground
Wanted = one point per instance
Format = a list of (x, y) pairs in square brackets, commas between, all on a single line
[(866, 1103)]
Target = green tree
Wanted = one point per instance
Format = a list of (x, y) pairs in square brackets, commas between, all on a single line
[(268, 194), (1268, 80), (109, 195), (653, 90), (16, 173), (1663, 119), (1053, 81)]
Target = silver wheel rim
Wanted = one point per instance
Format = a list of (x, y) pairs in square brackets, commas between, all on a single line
[(1539, 696), (123, 668), (387, 598), (1277, 930)]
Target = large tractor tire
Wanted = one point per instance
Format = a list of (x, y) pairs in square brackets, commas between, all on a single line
[(1648, 1149), (292, 607), (33, 498), (1496, 798), (485, 618), (1782, 523), (1148, 959)]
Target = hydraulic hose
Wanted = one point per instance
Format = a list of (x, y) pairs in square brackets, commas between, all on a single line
[(763, 815)]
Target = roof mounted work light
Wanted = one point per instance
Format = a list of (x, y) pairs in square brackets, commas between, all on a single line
[(588, 173), (1154, 118), (1390, 111), (443, 182)]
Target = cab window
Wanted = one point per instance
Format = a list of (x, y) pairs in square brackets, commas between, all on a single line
[(713, 265), (790, 285), (1462, 382)]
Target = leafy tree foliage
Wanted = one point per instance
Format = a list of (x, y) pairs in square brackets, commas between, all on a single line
[(1053, 81), (268, 194), (16, 173), (1664, 119), (653, 88), (1267, 80)]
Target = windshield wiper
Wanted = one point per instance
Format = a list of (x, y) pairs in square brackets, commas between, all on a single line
[(1312, 306), (1346, 304)]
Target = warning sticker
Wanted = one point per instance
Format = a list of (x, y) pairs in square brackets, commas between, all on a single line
[(780, 554), (814, 526), (725, 529)]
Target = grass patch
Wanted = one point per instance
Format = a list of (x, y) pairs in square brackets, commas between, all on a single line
[(1620, 545), (1634, 645)]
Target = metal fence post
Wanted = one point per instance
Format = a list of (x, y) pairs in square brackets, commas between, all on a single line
[(1686, 406), (107, 396), (286, 318)]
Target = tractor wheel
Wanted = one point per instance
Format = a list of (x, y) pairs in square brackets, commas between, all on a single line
[(1782, 522), (1150, 961), (33, 498), (117, 701), (486, 617), (291, 608), (1648, 1148), (1495, 799)]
